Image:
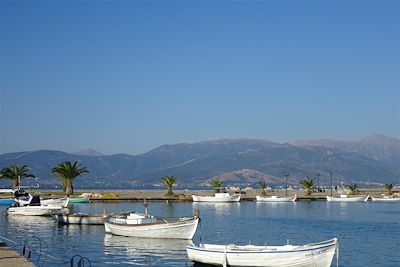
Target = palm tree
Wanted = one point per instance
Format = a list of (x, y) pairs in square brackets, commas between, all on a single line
[(262, 185), (353, 188), (68, 172), (169, 182), (216, 184), (390, 187), (15, 174), (308, 184)]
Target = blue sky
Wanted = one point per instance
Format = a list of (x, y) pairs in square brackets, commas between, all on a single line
[(128, 76)]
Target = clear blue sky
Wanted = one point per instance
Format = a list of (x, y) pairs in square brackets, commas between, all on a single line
[(128, 76)]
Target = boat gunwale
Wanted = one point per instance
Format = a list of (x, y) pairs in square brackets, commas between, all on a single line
[(266, 250), (159, 222)]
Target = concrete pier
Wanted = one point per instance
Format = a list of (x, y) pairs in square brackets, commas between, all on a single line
[(9, 257)]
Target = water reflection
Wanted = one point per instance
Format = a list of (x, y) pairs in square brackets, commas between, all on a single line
[(28, 223), (79, 229), (146, 251), (217, 207)]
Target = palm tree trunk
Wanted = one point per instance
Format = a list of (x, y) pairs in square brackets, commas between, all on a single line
[(16, 183), (69, 187)]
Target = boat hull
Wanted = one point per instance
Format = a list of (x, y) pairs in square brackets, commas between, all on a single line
[(33, 210), (388, 199), (79, 219), (347, 199), (63, 202), (79, 200), (276, 199), (184, 229), (219, 197), (318, 255)]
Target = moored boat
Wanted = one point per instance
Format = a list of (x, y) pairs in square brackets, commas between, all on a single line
[(79, 218), (386, 199), (34, 208), (26, 198), (75, 200), (63, 202), (218, 197), (276, 199), (347, 198), (146, 226), (310, 255)]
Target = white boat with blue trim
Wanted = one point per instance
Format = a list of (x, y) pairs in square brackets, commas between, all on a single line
[(310, 255)]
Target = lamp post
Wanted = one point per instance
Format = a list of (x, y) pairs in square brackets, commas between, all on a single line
[(318, 174), (331, 183), (286, 177)]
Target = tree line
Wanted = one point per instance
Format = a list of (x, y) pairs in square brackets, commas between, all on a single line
[(68, 171)]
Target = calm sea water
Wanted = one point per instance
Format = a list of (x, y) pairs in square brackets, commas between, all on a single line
[(368, 233)]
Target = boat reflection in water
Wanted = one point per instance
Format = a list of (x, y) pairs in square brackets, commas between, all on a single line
[(20, 223), (146, 251), (219, 208)]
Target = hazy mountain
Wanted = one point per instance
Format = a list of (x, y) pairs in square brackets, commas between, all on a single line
[(377, 147), (373, 159), (88, 152)]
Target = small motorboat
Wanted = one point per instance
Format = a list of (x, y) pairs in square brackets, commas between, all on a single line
[(26, 198), (347, 198), (34, 208), (218, 197), (146, 226), (79, 218), (386, 199), (276, 199), (310, 255)]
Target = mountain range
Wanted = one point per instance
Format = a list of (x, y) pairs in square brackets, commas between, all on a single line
[(374, 159)]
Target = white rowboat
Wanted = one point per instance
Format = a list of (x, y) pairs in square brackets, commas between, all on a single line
[(63, 202), (386, 199), (145, 226), (346, 198), (218, 197), (311, 255), (276, 199)]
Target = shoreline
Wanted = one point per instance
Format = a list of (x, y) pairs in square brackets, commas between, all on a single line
[(134, 195)]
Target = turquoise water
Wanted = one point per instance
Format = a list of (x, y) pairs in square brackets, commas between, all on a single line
[(368, 233)]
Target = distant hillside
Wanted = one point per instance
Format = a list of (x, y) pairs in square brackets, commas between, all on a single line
[(377, 147), (373, 159)]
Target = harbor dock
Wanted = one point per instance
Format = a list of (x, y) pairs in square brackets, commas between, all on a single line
[(9, 257)]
